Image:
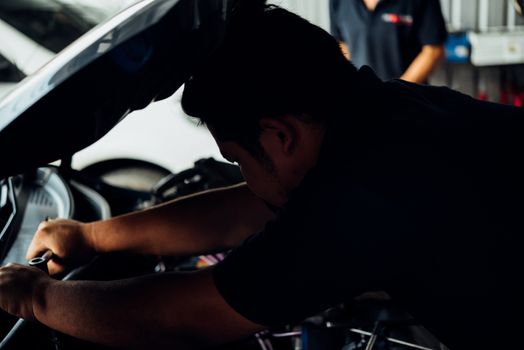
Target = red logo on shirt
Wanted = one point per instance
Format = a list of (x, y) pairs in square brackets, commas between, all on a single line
[(405, 20)]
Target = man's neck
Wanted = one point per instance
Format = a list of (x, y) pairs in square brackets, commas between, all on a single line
[(310, 151), (371, 5)]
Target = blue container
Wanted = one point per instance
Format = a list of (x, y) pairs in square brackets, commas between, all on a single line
[(458, 48)]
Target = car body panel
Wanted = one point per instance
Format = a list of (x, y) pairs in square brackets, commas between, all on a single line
[(144, 53)]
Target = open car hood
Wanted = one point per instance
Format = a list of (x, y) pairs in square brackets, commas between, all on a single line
[(143, 54)]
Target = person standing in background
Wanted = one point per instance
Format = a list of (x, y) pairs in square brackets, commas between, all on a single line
[(397, 38)]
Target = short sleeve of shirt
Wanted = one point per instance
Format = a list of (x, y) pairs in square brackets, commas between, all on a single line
[(432, 27), (306, 260)]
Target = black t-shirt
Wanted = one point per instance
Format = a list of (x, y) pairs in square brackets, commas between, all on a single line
[(390, 37), (420, 196)]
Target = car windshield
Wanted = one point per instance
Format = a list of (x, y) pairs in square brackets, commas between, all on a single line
[(54, 24)]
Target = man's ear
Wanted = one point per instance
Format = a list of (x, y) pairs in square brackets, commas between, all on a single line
[(279, 133)]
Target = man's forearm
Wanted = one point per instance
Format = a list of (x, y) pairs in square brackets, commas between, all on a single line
[(110, 313), (209, 221), (422, 66), (166, 310)]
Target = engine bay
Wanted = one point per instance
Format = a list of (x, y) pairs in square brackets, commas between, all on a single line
[(31, 198), (99, 192)]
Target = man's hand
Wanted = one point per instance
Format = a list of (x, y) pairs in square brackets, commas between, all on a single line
[(69, 240), (20, 288)]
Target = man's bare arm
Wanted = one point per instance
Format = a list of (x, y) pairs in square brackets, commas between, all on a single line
[(209, 221), (168, 310)]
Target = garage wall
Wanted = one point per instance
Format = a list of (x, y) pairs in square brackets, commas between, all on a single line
[(316, 11), (477, 16)]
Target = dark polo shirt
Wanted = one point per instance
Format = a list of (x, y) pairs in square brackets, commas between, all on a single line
[(390, 37), (421, 196)]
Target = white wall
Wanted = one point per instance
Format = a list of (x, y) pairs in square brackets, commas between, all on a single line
[(316, 11), (160, 133)]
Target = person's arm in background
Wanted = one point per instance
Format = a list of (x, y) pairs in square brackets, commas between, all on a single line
[(431, 34), (205, 222), (345, 49), (420, 69)]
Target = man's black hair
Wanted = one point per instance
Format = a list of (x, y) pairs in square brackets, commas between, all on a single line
[(271, 63)]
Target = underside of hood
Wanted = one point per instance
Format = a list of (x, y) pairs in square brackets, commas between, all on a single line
[(143, 54)]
